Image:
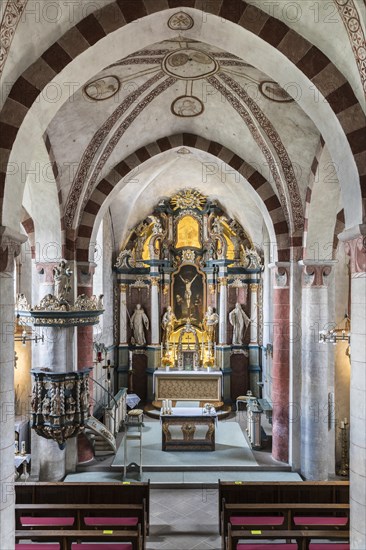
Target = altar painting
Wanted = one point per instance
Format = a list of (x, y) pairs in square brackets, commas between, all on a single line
[(188, 294)]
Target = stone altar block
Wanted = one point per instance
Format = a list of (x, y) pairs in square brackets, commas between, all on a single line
[(188, 419), (188, 385)]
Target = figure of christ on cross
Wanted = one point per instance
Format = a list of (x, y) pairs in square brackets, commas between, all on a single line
[(188, 290)]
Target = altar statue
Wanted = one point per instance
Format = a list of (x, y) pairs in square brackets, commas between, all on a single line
[(188, 290), (210, 322), (168, 322), (139, 321), (61, 276), (238, 319)]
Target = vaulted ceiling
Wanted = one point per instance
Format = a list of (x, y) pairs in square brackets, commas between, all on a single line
[(241, 81)]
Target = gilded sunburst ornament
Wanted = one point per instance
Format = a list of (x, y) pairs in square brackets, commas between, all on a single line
[(188, 198)]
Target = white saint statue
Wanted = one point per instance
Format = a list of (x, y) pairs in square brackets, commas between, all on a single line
[(238, 319), (188, 290), (139, 321), (168, 321), (210, 322)]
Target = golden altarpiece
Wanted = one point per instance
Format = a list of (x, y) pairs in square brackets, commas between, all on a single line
[(190, 305)]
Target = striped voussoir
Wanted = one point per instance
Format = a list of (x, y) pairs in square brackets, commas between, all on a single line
[(129, 164), (308, 58)]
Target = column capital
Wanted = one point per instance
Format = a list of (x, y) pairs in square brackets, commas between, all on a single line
[(123, 287), (254, 287), (10, 243), (85, 272), (281, 272), (223, 281), (315, 272), (355, 248)]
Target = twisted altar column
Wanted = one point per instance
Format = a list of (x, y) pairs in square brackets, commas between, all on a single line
[(281, 362), (356, 248), (314, 387)]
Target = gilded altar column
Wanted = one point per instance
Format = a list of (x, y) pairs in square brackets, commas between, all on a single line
[(122, 314), (155, 317), (355, 247), (280, 361), (9, 248), (314, 386)]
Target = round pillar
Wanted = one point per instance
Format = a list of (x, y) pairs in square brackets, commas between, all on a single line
[(9, 248), (314, 387), (356, 249), (254, 313), (280, 363)]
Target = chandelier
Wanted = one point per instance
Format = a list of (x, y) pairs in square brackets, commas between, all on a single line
[(340, 333)]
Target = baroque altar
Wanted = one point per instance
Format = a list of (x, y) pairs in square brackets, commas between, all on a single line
[(190, 303)]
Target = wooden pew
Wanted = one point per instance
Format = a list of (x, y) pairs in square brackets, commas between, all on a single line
[(81, 512), (303, 538), (94, 493), (319, 492), (66, 538), (250, 515)]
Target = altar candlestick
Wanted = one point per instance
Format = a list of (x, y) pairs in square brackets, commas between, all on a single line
[(23, 452), (346, 421), (16, 447), (342, 425)]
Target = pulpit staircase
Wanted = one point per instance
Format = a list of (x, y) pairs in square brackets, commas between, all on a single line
[(102, 439)]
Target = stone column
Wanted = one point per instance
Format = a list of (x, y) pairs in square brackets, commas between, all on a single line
[(356, 249), (123, 315), (295, 365), (155, 316), (254, 368), (9, 248), (280, 362), (223, 310), (314, 387), (254, 313), (85, 336)]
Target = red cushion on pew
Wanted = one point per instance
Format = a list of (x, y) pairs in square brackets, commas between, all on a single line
[(101, 546), (329, 546), (30, 521), (257, 520), (269, 546), (35, 546), (95, 521), (318, 520)]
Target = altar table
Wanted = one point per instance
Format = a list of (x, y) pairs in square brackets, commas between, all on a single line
[(188, 419)]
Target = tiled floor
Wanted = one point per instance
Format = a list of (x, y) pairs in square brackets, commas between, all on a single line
[(184, 519)]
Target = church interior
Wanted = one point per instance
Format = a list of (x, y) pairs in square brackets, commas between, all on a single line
[(182, 274)]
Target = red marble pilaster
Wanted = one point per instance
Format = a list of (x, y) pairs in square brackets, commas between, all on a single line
[(281, 365)]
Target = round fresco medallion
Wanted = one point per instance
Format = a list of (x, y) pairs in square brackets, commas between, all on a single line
[(274, 92), (180, 21), (187, 106), (102, 88), (190, 64)]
